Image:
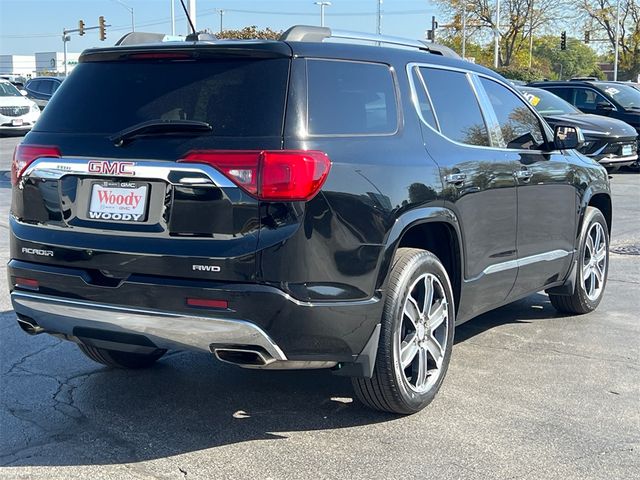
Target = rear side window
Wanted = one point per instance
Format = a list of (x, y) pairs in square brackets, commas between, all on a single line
[(238, 97), (350, 98), (424, 104), (456, 106)]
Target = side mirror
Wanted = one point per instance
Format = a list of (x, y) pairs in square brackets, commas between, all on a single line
[(604, 107), (567, 137), (23, 93)]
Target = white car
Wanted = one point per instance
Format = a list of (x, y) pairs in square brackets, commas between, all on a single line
[(17, 113)]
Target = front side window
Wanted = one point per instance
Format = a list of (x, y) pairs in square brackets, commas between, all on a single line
[(350, 98), (519, 126), (456, 106)]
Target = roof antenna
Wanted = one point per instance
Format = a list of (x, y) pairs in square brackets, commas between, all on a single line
[(193, 28)]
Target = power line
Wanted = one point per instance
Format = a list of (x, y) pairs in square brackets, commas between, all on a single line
[(166, 20)]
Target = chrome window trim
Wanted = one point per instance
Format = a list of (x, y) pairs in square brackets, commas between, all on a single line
[(414, 97), (396, 90), (416, 105), (547, 131)]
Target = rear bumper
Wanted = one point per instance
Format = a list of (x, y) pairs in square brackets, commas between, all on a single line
[(162, 329), (154, 311)]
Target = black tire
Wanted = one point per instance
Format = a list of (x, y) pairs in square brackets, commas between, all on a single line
[(118, 359), (580, 302), (390, 389)]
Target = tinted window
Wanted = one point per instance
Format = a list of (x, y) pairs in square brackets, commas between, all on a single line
[(588, 99), (426, 110), (456, 106), (520, 127), (564, 93), (45, 86), (34, 85), (238, 97), (350, 98), (546, 102), (625, 95)]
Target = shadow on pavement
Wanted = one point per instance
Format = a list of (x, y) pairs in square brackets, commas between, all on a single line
[(61, 409)]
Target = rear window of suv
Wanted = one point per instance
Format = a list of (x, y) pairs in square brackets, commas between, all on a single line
[(238, 97), (350, 98)]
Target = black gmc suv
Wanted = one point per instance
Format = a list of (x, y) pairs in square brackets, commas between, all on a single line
[(297, 204)]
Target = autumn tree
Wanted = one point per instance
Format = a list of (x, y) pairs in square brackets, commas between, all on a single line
[(518, 18), (600, 19), (250, 33)]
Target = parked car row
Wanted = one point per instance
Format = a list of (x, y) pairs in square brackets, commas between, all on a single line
[(609, 141), (17, 113), (611, 107)]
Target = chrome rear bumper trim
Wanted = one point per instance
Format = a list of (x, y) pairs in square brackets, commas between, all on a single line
[(164, 329)]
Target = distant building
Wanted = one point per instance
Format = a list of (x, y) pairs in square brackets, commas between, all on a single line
[(24, 65), (53, 62)]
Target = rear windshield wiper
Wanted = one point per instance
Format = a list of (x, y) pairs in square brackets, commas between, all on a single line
[(160, 127)]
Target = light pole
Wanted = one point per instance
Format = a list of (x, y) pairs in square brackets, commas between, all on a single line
[(615, 60), (322, 7), (531, 35), (496, 36), (173, 18), (221, 13), (464, 29), (379, 22), (133, 24)]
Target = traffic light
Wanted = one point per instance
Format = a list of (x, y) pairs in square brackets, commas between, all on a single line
[(102, 26), (563, 40), (587, 36), (80, 27)]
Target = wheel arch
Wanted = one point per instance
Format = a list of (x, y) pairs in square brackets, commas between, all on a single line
[(431, 228)]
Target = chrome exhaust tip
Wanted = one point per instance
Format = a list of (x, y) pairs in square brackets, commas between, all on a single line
[(244, 357), (29, 325)]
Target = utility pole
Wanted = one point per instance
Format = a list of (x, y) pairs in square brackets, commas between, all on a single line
[(496, 37), (221, 13), (192, 15), (133, 24), (322, 7), (379, 22), (615, 60), (531, 35), (464, 28), (173, 18)]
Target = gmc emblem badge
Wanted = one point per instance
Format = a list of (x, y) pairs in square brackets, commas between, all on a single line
[(111, 168)]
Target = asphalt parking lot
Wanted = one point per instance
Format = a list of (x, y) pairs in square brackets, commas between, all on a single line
[(530, 394)]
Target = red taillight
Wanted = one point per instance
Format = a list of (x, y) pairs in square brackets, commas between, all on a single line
[(206, 303), (24, 155), (272, 175)]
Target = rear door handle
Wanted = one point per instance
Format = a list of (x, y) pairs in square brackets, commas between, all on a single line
[(455, 178)]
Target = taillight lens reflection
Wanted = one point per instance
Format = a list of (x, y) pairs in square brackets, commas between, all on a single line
[(24, 155), (271, 175)]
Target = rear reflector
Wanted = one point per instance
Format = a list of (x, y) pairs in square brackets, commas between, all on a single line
[(24, 155), (271, 175), (27, 283), (206, 303)]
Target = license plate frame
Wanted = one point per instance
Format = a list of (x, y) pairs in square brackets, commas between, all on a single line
[(119, 202), (627, 150), (17, 122)]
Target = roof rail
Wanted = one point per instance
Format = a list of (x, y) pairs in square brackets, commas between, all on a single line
[(307, 33)]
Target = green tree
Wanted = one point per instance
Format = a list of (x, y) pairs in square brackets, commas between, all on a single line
[(601, 23), (250, 33), (577, 60)]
